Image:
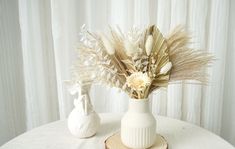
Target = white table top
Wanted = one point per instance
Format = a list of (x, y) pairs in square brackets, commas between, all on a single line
[(179, 134)]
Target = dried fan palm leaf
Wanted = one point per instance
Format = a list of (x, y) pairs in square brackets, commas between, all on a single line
[(158, 58)]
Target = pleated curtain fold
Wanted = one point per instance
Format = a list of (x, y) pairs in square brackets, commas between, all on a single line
[(33, 69)]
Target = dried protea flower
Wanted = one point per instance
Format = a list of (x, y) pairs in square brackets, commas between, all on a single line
[(138, 81)]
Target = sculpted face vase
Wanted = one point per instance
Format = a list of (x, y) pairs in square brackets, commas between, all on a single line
[(83, 121), (138, 125)]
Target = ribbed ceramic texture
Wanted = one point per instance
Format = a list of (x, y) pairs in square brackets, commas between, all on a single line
[(138, 137)]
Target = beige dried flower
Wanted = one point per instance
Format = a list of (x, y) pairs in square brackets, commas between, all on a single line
[(138, 81)]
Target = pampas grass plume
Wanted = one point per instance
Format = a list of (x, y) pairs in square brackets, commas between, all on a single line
[(107, 44)]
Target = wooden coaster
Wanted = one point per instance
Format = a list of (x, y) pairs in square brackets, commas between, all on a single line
[(114, 142)]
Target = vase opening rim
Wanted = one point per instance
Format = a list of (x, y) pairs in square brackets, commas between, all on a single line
[(143, 99)]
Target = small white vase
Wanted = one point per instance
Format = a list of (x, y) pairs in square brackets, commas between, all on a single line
[(83, 121), (83, 126), (138, 125)]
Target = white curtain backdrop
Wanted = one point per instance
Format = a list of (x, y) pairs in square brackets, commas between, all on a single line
[(37, 42)]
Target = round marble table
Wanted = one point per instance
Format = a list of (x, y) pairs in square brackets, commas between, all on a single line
[(179, 135)]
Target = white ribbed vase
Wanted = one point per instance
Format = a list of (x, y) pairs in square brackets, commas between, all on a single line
[(138, 125)]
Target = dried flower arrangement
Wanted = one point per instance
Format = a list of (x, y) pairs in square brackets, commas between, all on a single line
[(138, 62)]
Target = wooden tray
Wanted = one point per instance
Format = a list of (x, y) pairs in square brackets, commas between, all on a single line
[(114, 142)]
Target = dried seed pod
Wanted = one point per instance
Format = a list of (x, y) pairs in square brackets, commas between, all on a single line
[(149, 44), (166, 68)]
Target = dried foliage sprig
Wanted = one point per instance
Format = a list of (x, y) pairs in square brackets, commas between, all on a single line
[(140, 61)]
